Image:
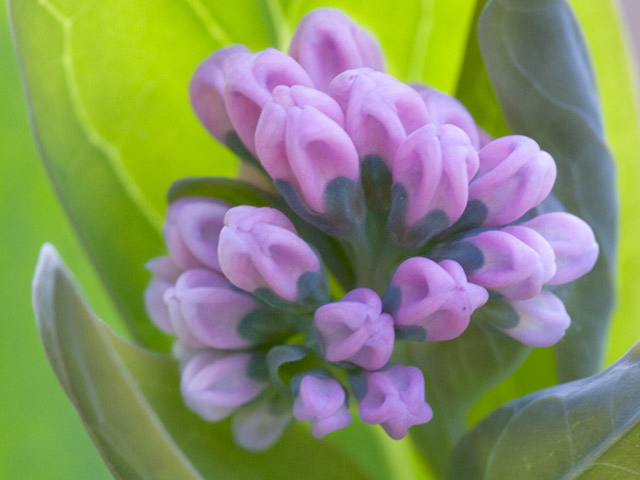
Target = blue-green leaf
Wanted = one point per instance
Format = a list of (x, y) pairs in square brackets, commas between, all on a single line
[(586, 429), (541, 73), (457, 373), (129, 399)]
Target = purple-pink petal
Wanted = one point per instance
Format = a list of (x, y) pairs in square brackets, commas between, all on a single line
[(259, 248), (204, 306), (445, 109), (305, 147), (542, 322), (327, 43), (434, 165), (436, 297), (380, 111), (354, 329), (165, 273), (395, 400), (514, 176), (322, 401), (250, 80), (572, 241), (510, 265), (214, 384), (206, 91), (192, 229)]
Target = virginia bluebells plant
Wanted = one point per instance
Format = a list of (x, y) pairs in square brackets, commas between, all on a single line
[(397, 218)]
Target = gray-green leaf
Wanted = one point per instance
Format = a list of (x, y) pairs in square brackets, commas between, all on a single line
[(540, 70), (587, 429), (129, 399)]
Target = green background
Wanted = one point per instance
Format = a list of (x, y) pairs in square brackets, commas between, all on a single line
[(40, 434)]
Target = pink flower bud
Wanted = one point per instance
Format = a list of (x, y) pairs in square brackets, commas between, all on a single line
[(206, 91), (434, 165), (192, 229), (299, 139), (322, 402), (205, 307), (258, 426), (395, 400), (249, 82), (165, 273), (380, 111), (542, 320), (259, 249), (355, 330), (514, 176), (515, 262), (327, 43), (435, 297), (573, 242), (445, 109), (214, 384)]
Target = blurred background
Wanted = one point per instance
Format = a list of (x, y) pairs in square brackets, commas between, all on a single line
[(41, 437)]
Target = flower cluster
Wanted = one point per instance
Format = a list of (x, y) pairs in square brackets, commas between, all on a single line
[(397, 218)]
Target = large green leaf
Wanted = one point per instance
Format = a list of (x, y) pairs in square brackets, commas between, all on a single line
[(457, 373), (585, 429), (129, 399), (541, 73), (618, 87), (605, 39)]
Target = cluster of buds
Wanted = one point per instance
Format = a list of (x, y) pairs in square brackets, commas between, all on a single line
[(433, 219)]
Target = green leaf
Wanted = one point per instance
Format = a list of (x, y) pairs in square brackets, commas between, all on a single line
[(233, 191), (613, 63), (457, 373), (585, 429), (129, 399), (540, 71)]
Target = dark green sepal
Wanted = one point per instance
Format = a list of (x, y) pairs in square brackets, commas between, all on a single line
[(376, 183), (391, 300), (424, 229), (410, 332), (313, 289), (468, 255), (257, 367), (233, 143), (358, 383), (343, 201), (267, 326), (496, 313), (277, 357), (231, 190)]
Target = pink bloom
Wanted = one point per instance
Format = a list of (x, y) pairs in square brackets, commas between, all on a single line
[(514, 176), (192, 229), (327, 43), (434, 297), (259, 249), (165, 273), (322, 401), (354, 329), (204, 307), (250, 80), (380, 111), (572, 241), (300, 140), (214, 384), (395, 400), (542, 320), (445, 109), (434, 165), (206, 91)]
